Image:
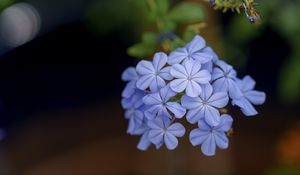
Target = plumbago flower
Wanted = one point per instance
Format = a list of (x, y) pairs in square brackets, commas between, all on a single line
[(192, 84)]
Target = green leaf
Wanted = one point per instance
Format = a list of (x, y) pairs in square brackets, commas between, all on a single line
[(187, 12), (150, 38)]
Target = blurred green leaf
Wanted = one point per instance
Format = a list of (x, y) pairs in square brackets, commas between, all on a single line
[(146, 47), (4, 4), (150, 38), (158, 9), (187, 12)]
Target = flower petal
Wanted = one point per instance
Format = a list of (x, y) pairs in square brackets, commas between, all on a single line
[(209, 146), (202, 77), (202, 57), (157, 83), (129, 74), (206, 92), (166, 93), (256, 97), (156, 136), (129, 89), (145, 81), (159, 61), (170, 141), (196, 44), (145, 67), (153, 112), (177, 56), (245, 106), (178, 85), (177, 129), (225, 124), (193, 89), (152, 99), (203, 125), (144, 142), (191, 102), (212, 116), (197, 136), (165, 73), (194, 115), (221, 140), (217, 73), (178, 71), (234, 90), (176, 109), (192, 67), (220, 85), (209, 50), (219, 99), (247, 84)]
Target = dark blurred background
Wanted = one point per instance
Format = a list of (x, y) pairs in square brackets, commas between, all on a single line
[(60, 87)]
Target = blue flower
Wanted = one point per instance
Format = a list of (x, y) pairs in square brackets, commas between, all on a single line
[(210, 137), (247, 85), (188, 77), (192, 51), (159, 105), (223, 78), (205, 106), (131, 76), (135, 100), (163, 132), (153, 74)]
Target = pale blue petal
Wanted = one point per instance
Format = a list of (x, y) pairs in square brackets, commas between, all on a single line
[(129, 89), (145, 67), (245, 106), (209, 146), (177, 56), (224, 66), (178, 71), (191, 102), (157, 83), (196, 44), (197, 136), (129, 74), (203, 125), (193, 89), (194, 115), (153, 112), (219, 99), (166, 93), (157, 123), (234, 90), (225, 124), (208, 66), (156, 136), (144, 142), (177, 129), (165, 73), (178, 85), (152, 99), (145, 81), (176, 109), (192, 67), (207, 91), (247, 84), (170, 141), (131, 126), (159, 61), (221, 140), (255, 97), (212, 116), (202, 57), (202, 77), (217, 73), (209, 50), (220, 85)]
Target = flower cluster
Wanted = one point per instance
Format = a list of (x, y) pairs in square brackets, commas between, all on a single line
[(191, 83)]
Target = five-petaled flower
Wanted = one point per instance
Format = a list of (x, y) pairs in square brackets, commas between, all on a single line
[(188, 77), (247, 85), (159, 105), (209, 137), (223, 78), (205, 106), (163, 132), (153, 74), (194, 50)]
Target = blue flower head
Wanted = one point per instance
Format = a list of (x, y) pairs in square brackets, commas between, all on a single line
[(209, 137), (190, 83)]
